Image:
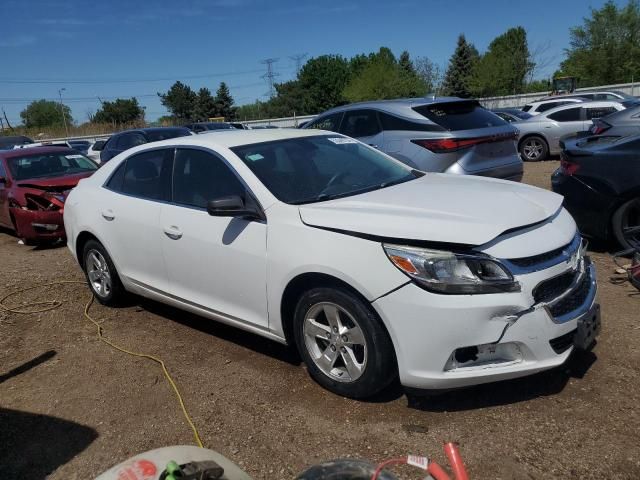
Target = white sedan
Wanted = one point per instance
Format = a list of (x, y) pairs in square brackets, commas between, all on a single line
[(371, 269)]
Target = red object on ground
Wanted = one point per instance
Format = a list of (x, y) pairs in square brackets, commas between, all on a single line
[(33, 207)]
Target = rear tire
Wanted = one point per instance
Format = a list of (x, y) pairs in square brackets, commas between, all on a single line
[(343, 343), (627, 216), (533, 149), (101, 274)]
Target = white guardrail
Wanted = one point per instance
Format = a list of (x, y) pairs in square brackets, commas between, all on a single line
[(509, 101)]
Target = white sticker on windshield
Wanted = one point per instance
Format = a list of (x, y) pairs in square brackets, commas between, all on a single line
[(71, 157), (341, 140), (254, 157)]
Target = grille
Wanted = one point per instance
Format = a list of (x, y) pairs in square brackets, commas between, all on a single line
[(526, 262), (562, 343), (572, 301), (550, 289)]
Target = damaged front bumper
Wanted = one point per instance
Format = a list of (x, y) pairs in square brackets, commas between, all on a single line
[(38, 225)]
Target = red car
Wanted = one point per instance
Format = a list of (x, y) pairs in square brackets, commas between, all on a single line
[(34, 184)]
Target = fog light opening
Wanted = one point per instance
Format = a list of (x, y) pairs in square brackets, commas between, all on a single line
[(466, 354), (484, 356)]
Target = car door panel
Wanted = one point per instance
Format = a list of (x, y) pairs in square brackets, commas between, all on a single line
[(218, 263)]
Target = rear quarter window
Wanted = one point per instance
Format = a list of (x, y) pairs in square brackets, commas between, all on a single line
[(465, 115), (391, 122)]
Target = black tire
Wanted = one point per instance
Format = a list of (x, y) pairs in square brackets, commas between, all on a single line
[(116, 293), (626, 216), (377, 356), (533, 149)]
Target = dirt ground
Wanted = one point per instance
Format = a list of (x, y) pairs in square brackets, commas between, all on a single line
[(71, 407)]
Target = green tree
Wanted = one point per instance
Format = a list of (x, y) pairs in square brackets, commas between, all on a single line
[(406, 64), (225, 104), (504, 68), (460, 70), (119, 111), (605, 49), (45, 113), (323, 80), (205, 105), (430, 73), (289, 100), (180, 100)]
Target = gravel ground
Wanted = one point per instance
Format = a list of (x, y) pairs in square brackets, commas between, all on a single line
[(71, 407)]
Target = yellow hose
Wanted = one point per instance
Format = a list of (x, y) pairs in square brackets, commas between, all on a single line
[(45, 306)]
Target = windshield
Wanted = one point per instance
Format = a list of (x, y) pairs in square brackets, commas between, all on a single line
[(49, 165), (313, 169)]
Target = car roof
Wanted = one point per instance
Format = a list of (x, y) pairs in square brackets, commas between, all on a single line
[(398, 103), (33, 151), (596, 104), (236, 137), (149, 130), (557, 99)]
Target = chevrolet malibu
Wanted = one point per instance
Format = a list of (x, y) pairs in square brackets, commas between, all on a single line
[(373, 270)]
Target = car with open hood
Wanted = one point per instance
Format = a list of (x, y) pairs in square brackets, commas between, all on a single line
[(372, 269), (34, 184)]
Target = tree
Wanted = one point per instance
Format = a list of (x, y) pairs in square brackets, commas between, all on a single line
[(45, 113), (180, 100), (505, 67), (322, 79), (225, 104), (460, 69), (430, 73), (406, 64), (605, 49), (205, 105), (120, 111)]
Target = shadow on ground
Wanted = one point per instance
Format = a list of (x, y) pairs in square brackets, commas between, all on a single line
[(507, 392), (33, 446)]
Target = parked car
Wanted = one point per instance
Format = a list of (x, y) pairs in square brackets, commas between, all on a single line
[(239, 126), (617, 124), (540, 136), (614, 95), (599, 178), (371, 268), (93, 152), (446, 134), (512, 114), (9, 142), (119, 142), (80, 145), (541, 106), (201, 127), (34, 184)]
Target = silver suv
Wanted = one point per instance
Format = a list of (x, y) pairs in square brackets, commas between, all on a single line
[(446, 134)]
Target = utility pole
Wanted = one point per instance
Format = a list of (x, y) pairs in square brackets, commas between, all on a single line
[(270, 75), (64, 118), (298, 60)]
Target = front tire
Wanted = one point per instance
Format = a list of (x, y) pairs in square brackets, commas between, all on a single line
[(343, 343), (534, 149), (626, 224), (101, 274)]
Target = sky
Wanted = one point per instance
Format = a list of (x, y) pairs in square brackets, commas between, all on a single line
[(104, 50)]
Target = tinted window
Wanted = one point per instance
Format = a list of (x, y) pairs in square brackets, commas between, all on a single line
[(199, 176), (330, 122), (49, 165), (148, 174), (526, 108), (360, 123), (391, 122), (599, 112), (165, 133), (464, 115), (505, 116), (311, 169), (130, 140), (548, 106), (117, 177), (568, 115)]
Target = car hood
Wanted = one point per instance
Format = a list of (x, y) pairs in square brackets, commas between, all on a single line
[(60, 184), (437, 208)]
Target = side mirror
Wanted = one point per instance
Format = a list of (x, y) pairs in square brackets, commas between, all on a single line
[(234, 206)]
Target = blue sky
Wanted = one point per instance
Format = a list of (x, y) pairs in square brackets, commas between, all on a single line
[(129, 48)]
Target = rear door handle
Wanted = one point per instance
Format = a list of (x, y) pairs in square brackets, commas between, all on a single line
[(173, 232), (108, 215)]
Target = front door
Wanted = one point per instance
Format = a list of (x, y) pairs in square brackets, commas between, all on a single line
[(363, 125), (216, 263)]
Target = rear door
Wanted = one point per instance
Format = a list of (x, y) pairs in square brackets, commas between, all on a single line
[(566, 122), (363, 125)]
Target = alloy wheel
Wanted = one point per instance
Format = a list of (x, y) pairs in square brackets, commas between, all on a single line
[(335, 341), (532, 149), (98, 273)]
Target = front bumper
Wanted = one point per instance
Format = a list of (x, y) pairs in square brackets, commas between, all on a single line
[(37, 225), (429, 330)]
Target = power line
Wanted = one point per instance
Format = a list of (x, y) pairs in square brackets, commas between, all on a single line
[(297, 58), (270, 75)]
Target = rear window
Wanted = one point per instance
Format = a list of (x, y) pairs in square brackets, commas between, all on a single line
[(526, 108), (391, 122), (454, 116)]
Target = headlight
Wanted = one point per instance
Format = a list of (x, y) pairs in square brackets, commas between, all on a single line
[(448, 272)]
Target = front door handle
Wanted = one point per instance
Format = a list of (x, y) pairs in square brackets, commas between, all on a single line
[(108, 215), (173, 232)]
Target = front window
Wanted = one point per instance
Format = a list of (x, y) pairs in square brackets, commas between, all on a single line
[(313, 169), (49, 165)]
